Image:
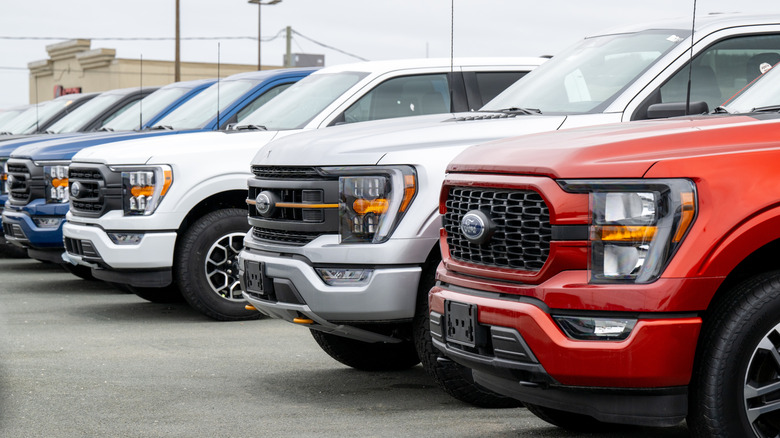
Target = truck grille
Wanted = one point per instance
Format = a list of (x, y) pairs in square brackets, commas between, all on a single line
[(25, 182), (285, 237), (282, 172), (308, 212), (521, 239), (99, 190)]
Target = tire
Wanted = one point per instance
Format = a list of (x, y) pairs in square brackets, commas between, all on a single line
[(455, 379), (738, 364), (82, 272), (570, 421), (206, 265), (160, 295), (367, 356)]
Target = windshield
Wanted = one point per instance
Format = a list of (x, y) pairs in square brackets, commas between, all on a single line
[(587, 77), (145, 109), (197, 112), (83, 114), (25, 123), (7, 116), (763, 93), (300, 103)]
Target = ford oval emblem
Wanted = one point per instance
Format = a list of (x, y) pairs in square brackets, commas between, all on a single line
[(75, 189), (265, 203), (476, 227)]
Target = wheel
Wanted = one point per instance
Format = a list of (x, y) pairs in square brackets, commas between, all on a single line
[(207, 265), (83, 272), (453, 378), (570, 420), (160, 295), (735, 388), (367, 356)]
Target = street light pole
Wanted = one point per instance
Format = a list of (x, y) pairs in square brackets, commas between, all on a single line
[(260, 5)]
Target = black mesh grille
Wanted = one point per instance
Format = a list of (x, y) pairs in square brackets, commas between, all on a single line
[(522, 235), (283, 236), (279, 172)]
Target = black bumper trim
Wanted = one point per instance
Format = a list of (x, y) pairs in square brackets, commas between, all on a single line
[(140, 278), (657, 407)]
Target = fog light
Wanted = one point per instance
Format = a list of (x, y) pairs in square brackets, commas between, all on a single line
[(344, 277), (595, 329), (126, 238), (47, 222)]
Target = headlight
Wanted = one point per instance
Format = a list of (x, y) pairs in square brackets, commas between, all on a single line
[(56, 180), (372, 200), (4, 177), (144, 188), (636, 225)]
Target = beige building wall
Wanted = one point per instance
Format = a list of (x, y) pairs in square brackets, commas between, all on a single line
[(73, 66)]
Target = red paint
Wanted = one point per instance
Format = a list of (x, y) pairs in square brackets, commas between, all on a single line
[(732, 160)]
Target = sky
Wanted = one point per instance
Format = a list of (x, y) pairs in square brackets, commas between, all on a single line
[(353, 29)]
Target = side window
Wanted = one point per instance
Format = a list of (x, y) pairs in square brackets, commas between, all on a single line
[(401, 97), (721, 71), (261, 100), (491, 84)]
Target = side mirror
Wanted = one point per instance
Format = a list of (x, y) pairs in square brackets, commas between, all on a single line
[(675, 109)]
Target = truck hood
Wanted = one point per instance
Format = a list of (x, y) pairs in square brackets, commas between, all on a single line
[(65, 148), (9, 146), (367, 143), (164, 149), (624, 150)]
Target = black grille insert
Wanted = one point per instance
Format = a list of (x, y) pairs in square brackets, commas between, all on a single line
[(521, 239)]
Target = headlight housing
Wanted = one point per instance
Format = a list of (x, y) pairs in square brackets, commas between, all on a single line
[(56, 180), (373, 199), (143, 188), (635, 225), (4, 176)]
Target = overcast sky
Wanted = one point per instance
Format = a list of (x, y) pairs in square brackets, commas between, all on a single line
[(369, 29)]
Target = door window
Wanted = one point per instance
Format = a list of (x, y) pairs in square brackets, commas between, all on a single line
[(401, 97)]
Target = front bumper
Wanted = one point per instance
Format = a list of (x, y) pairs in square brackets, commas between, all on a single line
[(522, 353), (21, 230), (146, 264), (295, 292)]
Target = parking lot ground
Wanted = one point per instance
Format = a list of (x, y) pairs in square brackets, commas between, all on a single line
[(81, 359)]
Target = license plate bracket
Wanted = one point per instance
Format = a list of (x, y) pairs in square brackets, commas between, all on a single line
[(461, 323), (254, 279)]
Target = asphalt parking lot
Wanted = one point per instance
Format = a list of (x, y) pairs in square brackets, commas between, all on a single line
[(80, 359)]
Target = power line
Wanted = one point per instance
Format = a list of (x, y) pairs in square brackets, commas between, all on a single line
[(327, 46), (252, 38)]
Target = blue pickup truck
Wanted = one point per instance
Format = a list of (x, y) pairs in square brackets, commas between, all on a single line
[(37, 173)]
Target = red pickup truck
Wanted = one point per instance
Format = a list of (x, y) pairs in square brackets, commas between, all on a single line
[(620, 274)]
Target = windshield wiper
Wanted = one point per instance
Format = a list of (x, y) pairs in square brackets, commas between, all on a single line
[(721, 110), (105, 129), (518, 110), (161, 128), (49, 131), (6, 133), (250, 128), (766, 109)]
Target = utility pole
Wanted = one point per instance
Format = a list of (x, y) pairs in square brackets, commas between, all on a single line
[(288, 55), (177, 56), (260, 5)]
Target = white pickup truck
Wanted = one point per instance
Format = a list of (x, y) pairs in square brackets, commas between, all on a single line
[(345, 221), (166, 217)]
